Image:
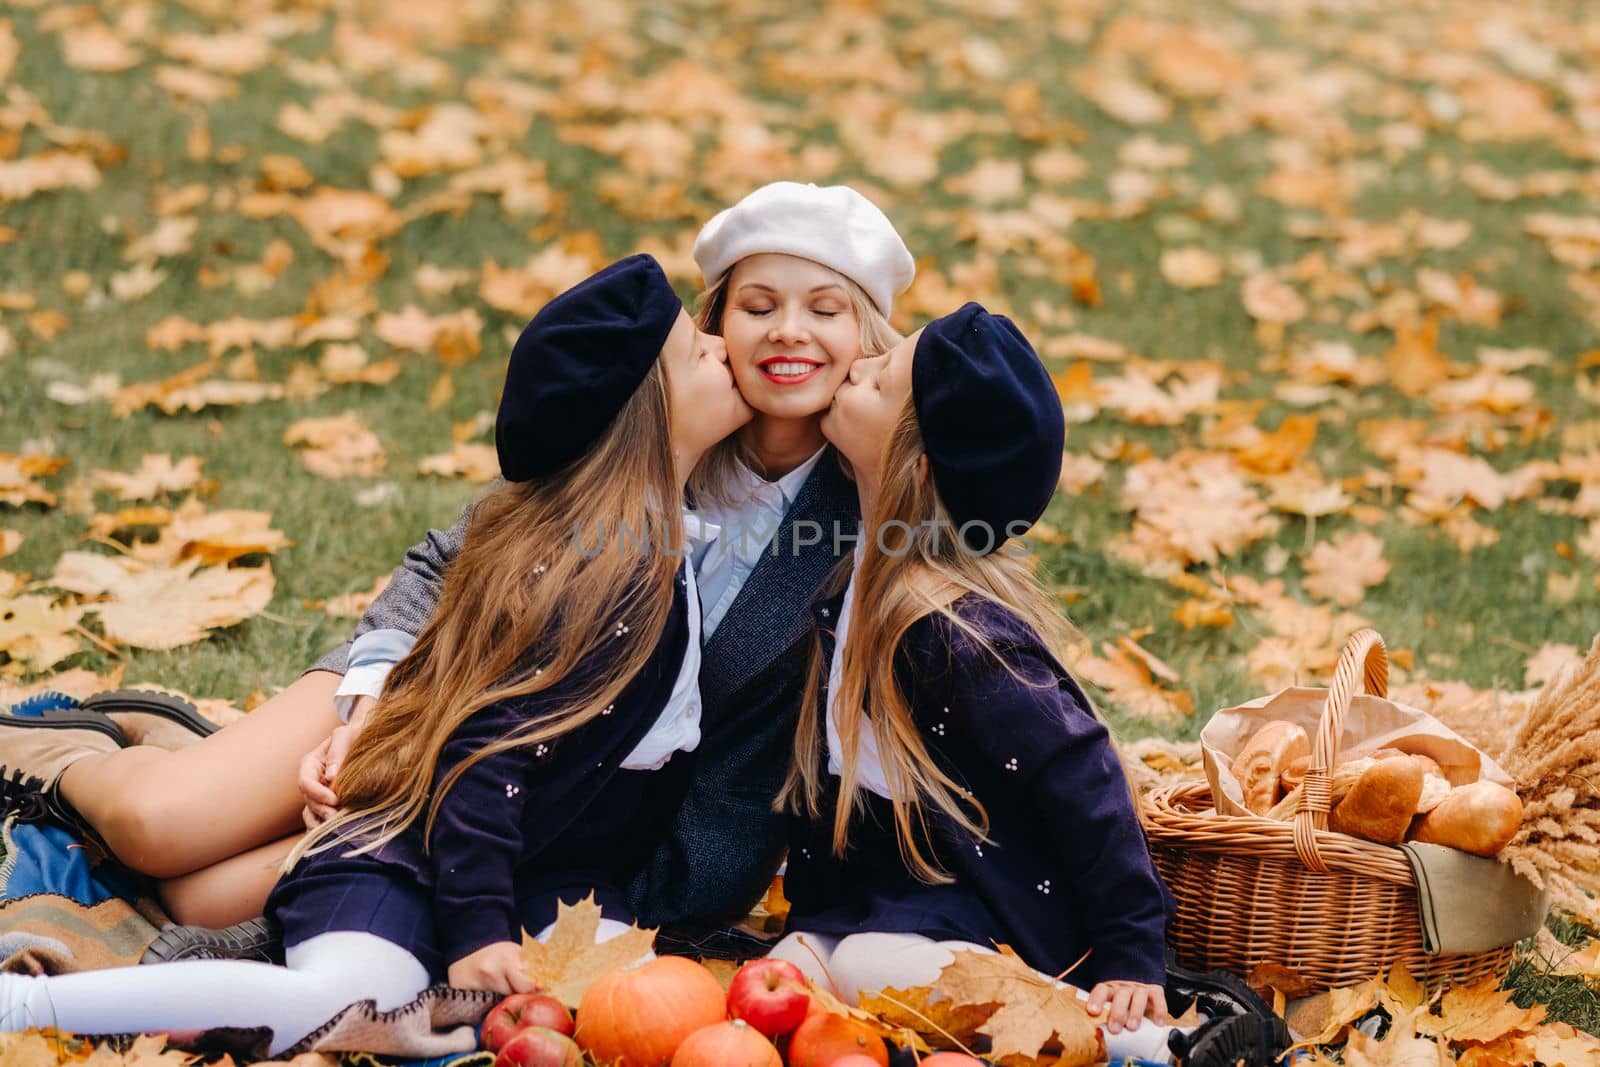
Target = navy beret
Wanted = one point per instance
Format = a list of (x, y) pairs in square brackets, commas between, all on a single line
[(991, 424), (577, 363)]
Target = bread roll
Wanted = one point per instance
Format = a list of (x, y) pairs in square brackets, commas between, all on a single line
[(1435, 787), (1263, 758), (1344, 776), (1294, 772), (1480, 818), (1380, 805)]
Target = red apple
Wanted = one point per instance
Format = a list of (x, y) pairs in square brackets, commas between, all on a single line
[(770, 995), (519, 1011), (855, 1059), (540, 1046), (947, 1059)]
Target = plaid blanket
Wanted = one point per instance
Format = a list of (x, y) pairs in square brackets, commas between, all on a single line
[(64, 909)]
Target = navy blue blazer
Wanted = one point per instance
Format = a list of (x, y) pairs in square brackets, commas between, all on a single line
[(726, 842), (1066, 870), (721, 849), (523, 827)]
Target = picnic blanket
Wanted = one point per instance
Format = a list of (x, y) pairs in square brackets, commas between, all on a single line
[(64, 907)]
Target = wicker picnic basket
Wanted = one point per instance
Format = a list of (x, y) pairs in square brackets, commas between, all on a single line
[(1333, 909)]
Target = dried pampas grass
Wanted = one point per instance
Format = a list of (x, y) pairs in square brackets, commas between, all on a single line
[(1555, 760)]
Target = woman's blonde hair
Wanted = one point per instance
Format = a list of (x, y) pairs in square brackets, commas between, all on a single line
[(715, 473), (528, 602), (913, 564)]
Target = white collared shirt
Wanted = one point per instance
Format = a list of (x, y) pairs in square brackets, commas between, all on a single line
[(747, 528), (869, 767), (676, 729)]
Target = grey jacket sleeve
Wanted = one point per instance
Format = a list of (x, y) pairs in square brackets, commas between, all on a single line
[(413, 591)]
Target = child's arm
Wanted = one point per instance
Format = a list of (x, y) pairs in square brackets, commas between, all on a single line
[(477, 838)]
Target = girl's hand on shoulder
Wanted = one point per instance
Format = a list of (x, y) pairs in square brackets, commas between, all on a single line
[(496, 967), (1124, 1004)]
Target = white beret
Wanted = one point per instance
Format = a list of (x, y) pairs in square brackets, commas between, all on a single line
[(830, 224)]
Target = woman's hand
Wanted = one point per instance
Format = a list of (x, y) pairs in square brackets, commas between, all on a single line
[(321, 766), (1125, 1003), (496, 967)]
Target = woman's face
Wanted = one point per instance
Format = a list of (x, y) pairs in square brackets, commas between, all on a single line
[(703, 403), (791, 334), (869, 403)]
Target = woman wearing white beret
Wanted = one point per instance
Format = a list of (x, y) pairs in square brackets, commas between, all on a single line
[(801, 280)]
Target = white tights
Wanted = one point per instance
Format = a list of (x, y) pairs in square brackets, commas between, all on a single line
[(323, 976), (867, 963)]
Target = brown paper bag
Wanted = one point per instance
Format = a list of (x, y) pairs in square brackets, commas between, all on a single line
[(1371, 723)]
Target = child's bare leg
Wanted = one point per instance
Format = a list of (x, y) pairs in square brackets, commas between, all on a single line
[(169, 813), (228, 892)]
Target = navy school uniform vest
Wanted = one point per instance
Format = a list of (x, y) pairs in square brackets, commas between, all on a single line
[(1065, 872), (520, 829)]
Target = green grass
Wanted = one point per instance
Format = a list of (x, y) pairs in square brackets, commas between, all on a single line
[(1480, 615)]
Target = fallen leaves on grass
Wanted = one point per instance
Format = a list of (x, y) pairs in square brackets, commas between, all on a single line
[(337, 446), (156, 476), (353, 605), (472, 462), (18, 478), (152, 605), (37, 632)]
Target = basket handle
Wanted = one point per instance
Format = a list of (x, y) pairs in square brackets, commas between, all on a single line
[(1364, 664)]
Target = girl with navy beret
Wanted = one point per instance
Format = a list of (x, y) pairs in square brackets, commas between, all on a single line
[(801, 280), (952, 786), (531, 744)]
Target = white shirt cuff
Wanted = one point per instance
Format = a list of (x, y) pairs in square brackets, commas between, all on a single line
[(372, 656)]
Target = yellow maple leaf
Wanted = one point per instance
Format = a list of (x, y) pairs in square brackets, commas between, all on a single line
[(93, 46), (1034, 1010), (167, 607), (10, 541), (1280, 450), (1344, 570), (354, 605), (36, 631), (31, 1048), (1560, 1045), (149, 1050), (1401, 994), (568, 961), (1345, 1005), (17, 474), (337, 446), (823, 999), (935, 1019), (473, 462), (214, 536), (1190, 268), (1480, 1012), (157, 475), (1414, 362)]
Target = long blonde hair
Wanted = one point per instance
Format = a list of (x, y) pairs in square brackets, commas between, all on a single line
[(913, 564), (525, 603), (714, 475)]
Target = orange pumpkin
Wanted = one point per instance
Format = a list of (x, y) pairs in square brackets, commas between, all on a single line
[(826, 1037), (727, 1044), (638, 1016)]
